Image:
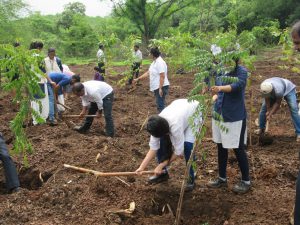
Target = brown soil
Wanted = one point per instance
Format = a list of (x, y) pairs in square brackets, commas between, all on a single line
[(68, 197)]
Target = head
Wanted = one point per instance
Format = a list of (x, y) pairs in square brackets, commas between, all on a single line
[(75, 79), (39, 45), (51, 53), (101, 46), (136, 47), (97, 69), (16, 44), (78, 89), (157, 126), (266, 89), (296, 36), (154, 52)]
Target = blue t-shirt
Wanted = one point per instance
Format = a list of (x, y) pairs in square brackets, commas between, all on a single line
[(60, 79), (232, 105)]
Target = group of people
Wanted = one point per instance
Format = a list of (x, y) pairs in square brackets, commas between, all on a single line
[(171, 134)]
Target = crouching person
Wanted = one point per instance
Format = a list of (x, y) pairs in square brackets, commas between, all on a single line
[(11, 176), (95, 96), (171, 128)]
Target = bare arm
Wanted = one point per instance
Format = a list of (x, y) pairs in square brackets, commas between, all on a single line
[(84, 111), (225, 89), (274, 108), (150, 155)]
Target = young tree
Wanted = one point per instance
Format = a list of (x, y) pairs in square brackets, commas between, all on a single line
[(147, 16)]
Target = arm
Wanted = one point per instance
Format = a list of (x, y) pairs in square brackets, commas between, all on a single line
[(161, 83), (146, 74), (274, 108), (84, 111), (150, 155), (159, 168)]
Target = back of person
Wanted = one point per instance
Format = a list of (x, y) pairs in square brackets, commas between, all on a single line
[(281, 86), (93, 86)]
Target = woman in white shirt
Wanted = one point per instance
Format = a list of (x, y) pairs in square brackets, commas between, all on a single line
[(171, 129), (157, 73)]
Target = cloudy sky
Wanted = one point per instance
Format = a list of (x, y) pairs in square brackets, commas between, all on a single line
[(93, 7)]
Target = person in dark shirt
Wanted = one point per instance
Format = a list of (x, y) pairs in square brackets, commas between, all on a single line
[(98, 75), (230, 105)]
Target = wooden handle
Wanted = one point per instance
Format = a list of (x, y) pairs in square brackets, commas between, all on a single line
[(108, 174), (75, 116), (67, 107)]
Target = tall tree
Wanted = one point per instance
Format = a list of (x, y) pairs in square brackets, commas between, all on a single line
[(147, 16), (71, 10)]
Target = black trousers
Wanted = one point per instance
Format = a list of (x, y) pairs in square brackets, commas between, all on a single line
[(240, 154), (101, 66), (107, 109)]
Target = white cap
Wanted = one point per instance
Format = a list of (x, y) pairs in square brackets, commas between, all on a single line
[(266, 88)]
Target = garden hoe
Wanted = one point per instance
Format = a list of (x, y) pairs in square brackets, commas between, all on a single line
[(106, 174)]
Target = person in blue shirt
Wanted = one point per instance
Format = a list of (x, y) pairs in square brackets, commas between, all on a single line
[(296, 41), (61, 81), (230, 131)]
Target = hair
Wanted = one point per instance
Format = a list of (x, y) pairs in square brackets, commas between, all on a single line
[(101, 46), (77, 87), (155, 52), (16, 44), (36, 45), (76, 78), (136, 46), (97, 68), (158, 127), (51, 50), (296, 28)]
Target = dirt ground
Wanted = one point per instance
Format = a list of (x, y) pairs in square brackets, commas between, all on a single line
[(68, 197)]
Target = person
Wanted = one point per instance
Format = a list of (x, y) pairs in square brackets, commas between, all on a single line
[(230, 132), (273, 90), (68, 88), (101, 60), (171, 129), (296, 40), (159, 83), (52, 62), (97, 75), (11, 176), (61, 81), (47, 110), (138, 57), (97, 95)]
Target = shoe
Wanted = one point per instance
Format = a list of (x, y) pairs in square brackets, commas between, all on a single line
[(218, 183), (52, 123), (241, 187), (158, 178), (79, 129), (259, 132), (189, 187), (15, 190), (298, 138)]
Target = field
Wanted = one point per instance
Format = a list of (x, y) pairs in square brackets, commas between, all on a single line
[(68, 197)]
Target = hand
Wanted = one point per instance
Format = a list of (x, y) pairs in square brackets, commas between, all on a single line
[(139, 171), (215, 89), (82, 114), (53, 84), (99, 113), (159, 169), (134, 82), (160, 91), (269, 116), (214, 98)]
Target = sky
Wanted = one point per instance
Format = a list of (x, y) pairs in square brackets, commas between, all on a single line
[(93, 7)]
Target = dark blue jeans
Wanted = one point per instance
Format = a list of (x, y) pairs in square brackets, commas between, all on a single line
[(297, 203), (161, 101), (11, 176), (107, 109), (188, 147)]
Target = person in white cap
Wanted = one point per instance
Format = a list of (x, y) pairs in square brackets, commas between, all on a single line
[(273, 91)]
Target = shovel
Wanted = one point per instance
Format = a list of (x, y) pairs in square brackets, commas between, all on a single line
[(77, 116), (109, 174)]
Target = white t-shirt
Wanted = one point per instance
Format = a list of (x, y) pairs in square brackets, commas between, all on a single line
[(138, 56), (177, 114), (158, 66), (101, 56), (51, 65), (95, 91)]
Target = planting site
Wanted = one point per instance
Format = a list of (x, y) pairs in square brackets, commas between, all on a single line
[(52, 194)]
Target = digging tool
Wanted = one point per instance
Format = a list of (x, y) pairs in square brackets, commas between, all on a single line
[(66, 107), (108, 174)]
